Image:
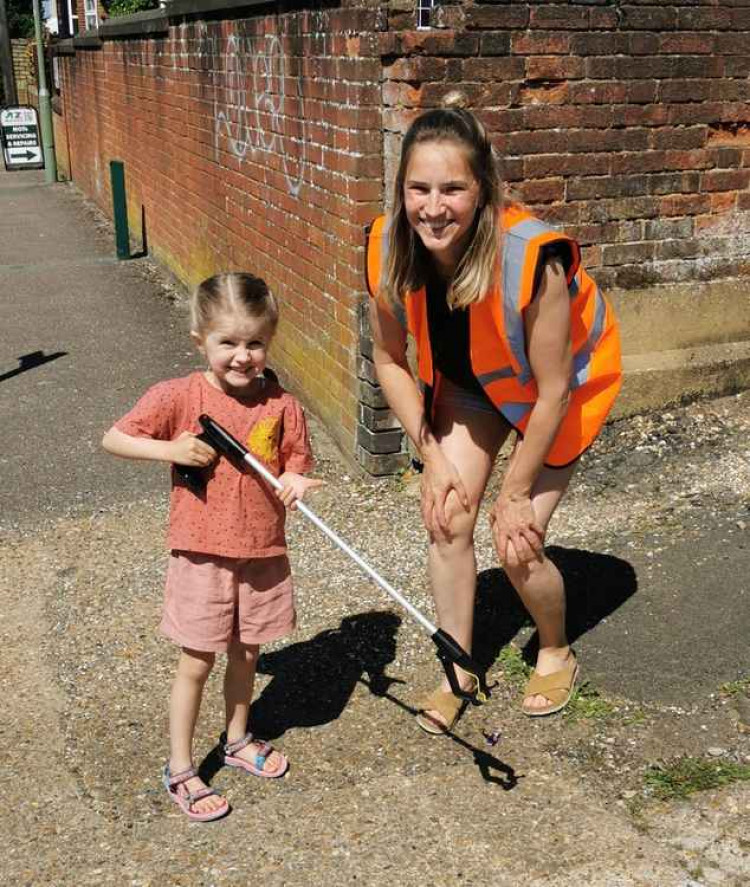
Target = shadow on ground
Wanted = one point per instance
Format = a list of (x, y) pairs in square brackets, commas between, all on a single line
[(313, 680), (595, 584)]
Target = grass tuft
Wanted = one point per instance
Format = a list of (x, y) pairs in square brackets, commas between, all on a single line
[(686, 775), (586, 703), (736, 688), (514, 667)]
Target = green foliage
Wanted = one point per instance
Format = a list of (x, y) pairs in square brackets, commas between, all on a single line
[(587, 703), (128, 7), (20, 19), (736, 688), (687, 775), (513, 665)]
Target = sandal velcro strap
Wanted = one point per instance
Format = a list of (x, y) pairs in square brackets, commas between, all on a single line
[(231, 748), (174, 779), (192, 797), (264, 750)]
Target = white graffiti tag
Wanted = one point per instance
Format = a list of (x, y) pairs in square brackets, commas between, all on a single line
[(257, 108)]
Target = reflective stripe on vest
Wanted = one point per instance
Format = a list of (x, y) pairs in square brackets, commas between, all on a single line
[(497, 334)]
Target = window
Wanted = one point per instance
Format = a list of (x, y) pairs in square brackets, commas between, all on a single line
[(424, 13), (92, 15)]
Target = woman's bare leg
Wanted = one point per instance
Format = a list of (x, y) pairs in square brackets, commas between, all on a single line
[(540, 585), (470, 440)]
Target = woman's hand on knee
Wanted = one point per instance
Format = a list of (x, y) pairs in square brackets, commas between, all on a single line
[(439, 479), (518, 536)]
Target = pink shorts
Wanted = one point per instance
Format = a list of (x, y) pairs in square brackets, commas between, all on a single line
[(211, 601)]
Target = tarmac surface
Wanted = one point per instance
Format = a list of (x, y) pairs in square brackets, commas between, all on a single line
[(652, 541)]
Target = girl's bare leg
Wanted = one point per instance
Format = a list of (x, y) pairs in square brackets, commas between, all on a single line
[(470, 440), (193, 670), (239, 679), (540, 585)]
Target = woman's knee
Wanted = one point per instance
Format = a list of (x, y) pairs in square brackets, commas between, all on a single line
[(460, 523)]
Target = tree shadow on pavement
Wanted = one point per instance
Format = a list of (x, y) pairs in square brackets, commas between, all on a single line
[(595, 585)]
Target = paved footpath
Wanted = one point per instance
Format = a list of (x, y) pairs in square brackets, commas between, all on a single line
[(652, 542)]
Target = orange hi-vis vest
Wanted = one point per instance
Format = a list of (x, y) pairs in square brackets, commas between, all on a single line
[(497, 336)]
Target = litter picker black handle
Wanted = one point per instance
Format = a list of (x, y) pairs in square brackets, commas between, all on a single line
[(452, 654), (449, 651), (195, 478)]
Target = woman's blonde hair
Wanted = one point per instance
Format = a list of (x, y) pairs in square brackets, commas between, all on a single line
[(408, 260), (232, 291)]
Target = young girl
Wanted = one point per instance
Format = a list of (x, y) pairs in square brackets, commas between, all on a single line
[(510, 333), (228, 586)]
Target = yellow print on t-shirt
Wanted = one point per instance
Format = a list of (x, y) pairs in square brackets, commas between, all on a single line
[(263, 440)]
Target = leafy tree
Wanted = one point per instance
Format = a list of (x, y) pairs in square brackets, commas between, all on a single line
[(20, 18), (129, 7)]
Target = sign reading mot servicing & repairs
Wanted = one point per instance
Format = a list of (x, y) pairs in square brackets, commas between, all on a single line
[(19, 130)]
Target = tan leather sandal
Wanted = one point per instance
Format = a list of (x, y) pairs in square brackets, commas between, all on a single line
[(448, 706), (557, 687)]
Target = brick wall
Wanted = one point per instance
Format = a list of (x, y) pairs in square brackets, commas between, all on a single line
[(253, 144), (264, 142), (627, 123), (24, 70)]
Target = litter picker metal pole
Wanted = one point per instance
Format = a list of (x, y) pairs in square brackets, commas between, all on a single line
[(449, 651)]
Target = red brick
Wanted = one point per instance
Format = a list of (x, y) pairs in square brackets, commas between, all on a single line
[(554, 67), (551, 16), (541, 43), (484, 17), (494, 69), (541, 190), (649, 18), (684, 205), (725, 179), (693, 44)]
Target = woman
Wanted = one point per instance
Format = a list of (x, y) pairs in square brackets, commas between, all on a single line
[(510, 333)]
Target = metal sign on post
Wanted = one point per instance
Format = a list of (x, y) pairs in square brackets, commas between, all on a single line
[(19, 130)]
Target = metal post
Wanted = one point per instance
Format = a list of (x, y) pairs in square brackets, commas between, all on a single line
[(45, 106), (120, 208), (6, 59)]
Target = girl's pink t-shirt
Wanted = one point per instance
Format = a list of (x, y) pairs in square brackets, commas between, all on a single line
[(239, 515)]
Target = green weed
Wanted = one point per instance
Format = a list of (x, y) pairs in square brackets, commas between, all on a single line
[(586, 703), (687, 775), (515, 669), (736, 688)]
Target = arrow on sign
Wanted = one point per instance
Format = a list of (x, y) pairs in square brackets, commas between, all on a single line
[(24, 154)]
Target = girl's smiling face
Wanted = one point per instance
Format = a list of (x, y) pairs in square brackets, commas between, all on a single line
[(235, 346), (441, 198)]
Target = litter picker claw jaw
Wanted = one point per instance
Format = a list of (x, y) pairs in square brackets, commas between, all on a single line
[(449, 651)]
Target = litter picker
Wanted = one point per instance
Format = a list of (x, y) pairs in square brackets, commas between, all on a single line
[(449, 651)]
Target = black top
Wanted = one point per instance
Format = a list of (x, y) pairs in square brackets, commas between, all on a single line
[(449, 330)]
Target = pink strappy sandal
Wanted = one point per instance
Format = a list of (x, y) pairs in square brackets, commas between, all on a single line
[(174, 783), (229, 754)]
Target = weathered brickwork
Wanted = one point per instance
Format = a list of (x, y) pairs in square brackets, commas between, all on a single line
[(252, 144), (627, 123), (264, 143), (24, 70)]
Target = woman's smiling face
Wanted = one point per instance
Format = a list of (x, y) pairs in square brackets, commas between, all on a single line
[(441, 198)]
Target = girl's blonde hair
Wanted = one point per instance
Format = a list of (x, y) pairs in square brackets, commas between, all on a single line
[(232, 291), (408, 260)]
